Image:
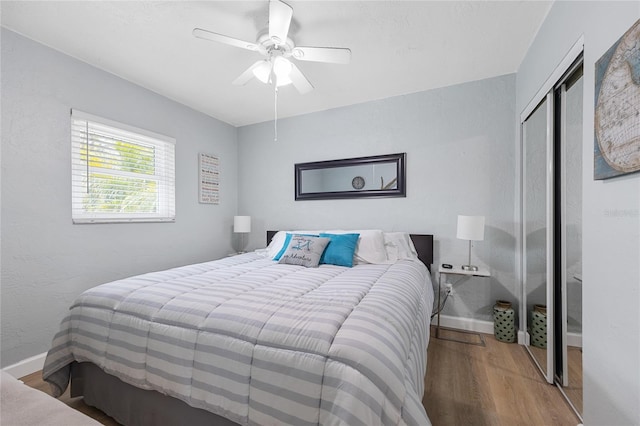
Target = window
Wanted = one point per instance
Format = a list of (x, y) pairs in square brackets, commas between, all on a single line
[(120, 173)]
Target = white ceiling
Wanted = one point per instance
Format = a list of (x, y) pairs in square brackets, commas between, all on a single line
[(398, 47)]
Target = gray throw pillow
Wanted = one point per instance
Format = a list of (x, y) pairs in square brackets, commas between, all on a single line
[(304, 250)]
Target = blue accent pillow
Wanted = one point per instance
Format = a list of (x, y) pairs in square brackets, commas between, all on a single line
[(287, 241), (340, 249)]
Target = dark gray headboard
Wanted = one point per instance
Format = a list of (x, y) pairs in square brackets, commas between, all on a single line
[(422, 242)]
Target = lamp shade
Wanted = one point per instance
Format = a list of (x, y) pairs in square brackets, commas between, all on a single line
[(242, 224), (280, 66), (471, 228)]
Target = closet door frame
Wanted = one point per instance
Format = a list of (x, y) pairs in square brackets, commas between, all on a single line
[(561, 89), (564, 379), (574, 74), (545, 92)]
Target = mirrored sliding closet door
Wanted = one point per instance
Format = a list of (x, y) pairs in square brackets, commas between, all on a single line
[(551, 136), (537, 233)]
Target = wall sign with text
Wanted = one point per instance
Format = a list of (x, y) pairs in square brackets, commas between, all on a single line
[(209, 179)]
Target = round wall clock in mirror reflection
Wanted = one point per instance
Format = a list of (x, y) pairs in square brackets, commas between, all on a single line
[(357, 182)]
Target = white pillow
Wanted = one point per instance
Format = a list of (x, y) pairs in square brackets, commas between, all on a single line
[(370, 248), (276, 243), (399, 246)]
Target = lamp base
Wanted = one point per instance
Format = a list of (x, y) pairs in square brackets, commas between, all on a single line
[(469, 268)]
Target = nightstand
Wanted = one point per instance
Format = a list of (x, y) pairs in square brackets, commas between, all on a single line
[(481, 272)]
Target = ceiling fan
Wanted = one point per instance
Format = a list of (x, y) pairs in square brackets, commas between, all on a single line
[(275, 44)]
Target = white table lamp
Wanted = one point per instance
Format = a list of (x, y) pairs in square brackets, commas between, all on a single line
[(242, 226), (470, 228)]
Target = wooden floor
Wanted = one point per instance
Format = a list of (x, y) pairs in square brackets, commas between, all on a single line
[(574, 364), (495, 384), (574, 390)]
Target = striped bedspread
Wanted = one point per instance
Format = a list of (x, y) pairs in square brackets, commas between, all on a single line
[(262, 343)]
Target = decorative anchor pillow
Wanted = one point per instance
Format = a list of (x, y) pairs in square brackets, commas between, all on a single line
[(304, 250)]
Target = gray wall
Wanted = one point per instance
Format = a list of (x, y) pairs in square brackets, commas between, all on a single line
[(47, 261), (460, 156), (610, 214)]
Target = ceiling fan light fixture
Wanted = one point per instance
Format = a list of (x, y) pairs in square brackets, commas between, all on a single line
[(262, 71), (281, 68)]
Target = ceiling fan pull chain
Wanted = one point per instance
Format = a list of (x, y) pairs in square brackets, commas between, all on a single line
[(275, 108)]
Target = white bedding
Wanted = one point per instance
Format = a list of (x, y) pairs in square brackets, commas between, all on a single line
[(260, 342)]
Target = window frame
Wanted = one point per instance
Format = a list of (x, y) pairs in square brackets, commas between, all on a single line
[(164, 167)]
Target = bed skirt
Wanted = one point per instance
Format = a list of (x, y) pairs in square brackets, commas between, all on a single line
[(132, 406)]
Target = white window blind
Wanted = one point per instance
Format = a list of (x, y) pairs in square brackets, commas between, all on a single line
[(120, 173)]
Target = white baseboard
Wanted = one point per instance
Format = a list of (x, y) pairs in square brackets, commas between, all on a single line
[(480, 326), (574, 339), (26, 366), (468, 324), (522, 338)]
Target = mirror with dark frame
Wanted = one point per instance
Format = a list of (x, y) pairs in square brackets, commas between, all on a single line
[(363, 177)]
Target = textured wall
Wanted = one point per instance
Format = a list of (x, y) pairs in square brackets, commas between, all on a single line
[(611, 217), (47, 261), (460, 160)]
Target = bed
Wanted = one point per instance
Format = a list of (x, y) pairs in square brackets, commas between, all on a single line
[(248, 340)]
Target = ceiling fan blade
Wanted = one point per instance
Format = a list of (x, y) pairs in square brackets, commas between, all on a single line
[(280, 15), (299, 81), (248, 74), (208, 35), (334, 55)]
